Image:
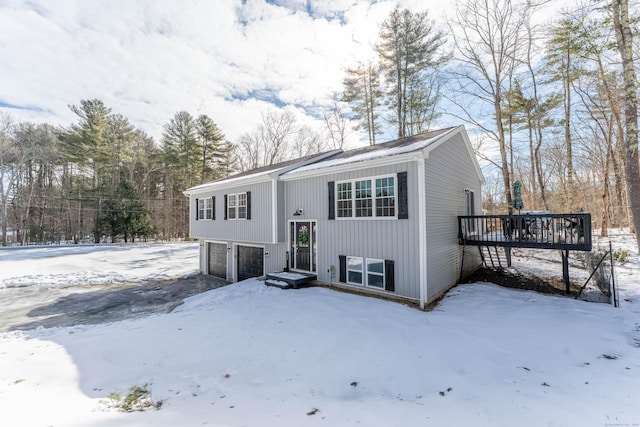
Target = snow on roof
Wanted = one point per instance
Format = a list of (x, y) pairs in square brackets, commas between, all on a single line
[(333, 158), (254, 173), (385, 149)]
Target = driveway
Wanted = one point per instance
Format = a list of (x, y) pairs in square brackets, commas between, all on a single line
[(23, 308)]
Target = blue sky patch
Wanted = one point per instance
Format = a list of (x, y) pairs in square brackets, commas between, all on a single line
[(19, 107)]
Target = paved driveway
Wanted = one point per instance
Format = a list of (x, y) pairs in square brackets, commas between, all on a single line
[(29, 307)]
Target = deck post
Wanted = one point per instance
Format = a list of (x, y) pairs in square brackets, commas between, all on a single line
[(565, 269)]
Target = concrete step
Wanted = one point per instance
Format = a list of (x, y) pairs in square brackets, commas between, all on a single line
[(278, 284)]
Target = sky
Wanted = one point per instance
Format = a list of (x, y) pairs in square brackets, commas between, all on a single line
[(232, 60)]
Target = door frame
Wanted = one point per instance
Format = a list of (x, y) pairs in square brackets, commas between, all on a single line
[(313, 252), (235, 257)]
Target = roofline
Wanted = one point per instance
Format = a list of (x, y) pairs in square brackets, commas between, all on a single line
[(258, 178), (345, 167), (221, 185), (289, 173), (315, 159), (465, 137), (377, 161)]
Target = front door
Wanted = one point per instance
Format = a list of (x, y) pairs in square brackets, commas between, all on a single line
[(303, 245)]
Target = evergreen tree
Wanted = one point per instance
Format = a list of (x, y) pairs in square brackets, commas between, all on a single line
[(125, 214), (181, 149), (210, 139), (86, 144), (361, 90), (409, 52)]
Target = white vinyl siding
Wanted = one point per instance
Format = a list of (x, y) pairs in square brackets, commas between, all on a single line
[(446, 198), (395, 240)]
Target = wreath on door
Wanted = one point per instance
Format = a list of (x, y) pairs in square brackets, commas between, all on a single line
[(303, 239)]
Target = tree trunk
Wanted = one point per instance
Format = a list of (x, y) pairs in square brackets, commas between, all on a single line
[(625, 45)]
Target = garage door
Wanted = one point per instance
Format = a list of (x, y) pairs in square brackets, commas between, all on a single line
[(250, 262), (217, 259)]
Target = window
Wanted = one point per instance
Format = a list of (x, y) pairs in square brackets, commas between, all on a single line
[(364, 202), (355, 199), (209, 208), (237, 206), (368, 272), (385, 197), (231, 206), (200, 208), (242, 206), (354, 270), (375, 273), (344, 200)]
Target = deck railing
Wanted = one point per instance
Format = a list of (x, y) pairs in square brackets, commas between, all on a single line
[(543, 231)]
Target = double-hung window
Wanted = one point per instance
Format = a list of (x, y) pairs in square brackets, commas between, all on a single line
[(242, 205), (364, 202), (345, 203), (231, 206), (209, 208), (201, 208), (385, 196), (367, 198), (238, 205)]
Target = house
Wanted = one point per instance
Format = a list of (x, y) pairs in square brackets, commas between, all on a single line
[(380, 219)]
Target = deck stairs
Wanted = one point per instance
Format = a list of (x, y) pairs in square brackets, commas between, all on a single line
[(496, 257), (289, 279)]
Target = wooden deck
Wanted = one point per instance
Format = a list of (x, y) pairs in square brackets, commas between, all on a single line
[(539, 231)]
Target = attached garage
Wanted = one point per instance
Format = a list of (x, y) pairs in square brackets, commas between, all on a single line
[(217, 254), (250, 262)]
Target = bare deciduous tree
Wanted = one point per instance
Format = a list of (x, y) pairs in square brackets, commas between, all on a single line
[(488, 37)]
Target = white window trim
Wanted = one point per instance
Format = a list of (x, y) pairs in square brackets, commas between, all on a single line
[(360, 271), (200, 208), (375, 273), (365, 273), (236, 208), (208, 208), (233, 208), (373, 198)]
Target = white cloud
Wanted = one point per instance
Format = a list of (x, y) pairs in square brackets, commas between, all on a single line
[(147, 59)]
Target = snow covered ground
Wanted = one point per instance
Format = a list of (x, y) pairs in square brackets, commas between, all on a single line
[(247, 354), (95, 264)]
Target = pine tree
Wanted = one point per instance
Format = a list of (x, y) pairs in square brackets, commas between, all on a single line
[(210, 138), (86, 144), (125, 214), (361, 90), (181, 149), (409, 52)]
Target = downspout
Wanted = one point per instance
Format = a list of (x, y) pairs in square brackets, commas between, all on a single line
[(422, 231)]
